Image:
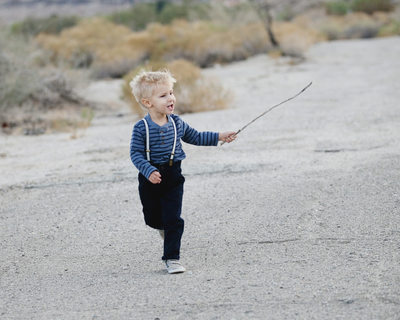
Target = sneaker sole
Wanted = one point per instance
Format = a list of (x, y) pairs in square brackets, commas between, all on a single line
[(176, 271)]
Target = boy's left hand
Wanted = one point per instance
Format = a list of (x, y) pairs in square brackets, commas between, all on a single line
[(228, 136)]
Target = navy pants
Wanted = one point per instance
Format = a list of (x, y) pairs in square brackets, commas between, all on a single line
[(162, 206)]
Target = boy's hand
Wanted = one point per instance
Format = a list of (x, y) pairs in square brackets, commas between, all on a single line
[(227, 136), (155, 177)]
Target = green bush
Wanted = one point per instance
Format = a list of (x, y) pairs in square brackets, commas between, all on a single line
[(52, 25), (164, 12), (172, 11), (371, 6), (338, 8), (137, 17), (286, 14)]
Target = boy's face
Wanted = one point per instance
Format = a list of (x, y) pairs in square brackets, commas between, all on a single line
[(162, 101)]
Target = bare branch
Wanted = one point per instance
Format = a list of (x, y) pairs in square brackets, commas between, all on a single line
[(270, 109)]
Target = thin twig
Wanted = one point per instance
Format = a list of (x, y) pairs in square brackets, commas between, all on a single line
[(270, 109)]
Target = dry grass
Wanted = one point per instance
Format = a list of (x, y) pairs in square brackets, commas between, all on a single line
[(354, 25), (32, 96), (99, 39), (205, 43), (74, 123), (296, 37), (371, 6), (44, 107), (33, 26), (350, 26), (115, 48), (390, 29), (194, 92)]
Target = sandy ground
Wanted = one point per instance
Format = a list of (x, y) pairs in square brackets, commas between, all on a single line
[(298, 219)]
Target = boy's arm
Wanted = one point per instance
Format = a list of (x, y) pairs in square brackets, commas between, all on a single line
[(138, 154), (205, 138)]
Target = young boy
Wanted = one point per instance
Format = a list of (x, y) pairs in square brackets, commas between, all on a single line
[(156, 151)]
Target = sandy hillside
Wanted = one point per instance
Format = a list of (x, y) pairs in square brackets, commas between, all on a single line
[(298, 219)]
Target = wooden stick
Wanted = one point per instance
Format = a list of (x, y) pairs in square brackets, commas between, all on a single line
[(270, 109)]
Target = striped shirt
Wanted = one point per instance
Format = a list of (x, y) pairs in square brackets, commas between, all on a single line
[(161, 142)]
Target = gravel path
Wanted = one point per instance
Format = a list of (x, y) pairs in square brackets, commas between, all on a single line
[(298, 219)]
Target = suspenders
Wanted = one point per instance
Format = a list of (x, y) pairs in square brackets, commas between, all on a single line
[(147, 140), (171, 158)]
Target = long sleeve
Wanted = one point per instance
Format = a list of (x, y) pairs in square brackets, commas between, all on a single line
[(137, 151), (205, 138)]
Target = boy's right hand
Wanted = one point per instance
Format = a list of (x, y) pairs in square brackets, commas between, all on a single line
[(155, 177)]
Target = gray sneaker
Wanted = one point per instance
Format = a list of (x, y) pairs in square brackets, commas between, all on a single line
[(174, 266)]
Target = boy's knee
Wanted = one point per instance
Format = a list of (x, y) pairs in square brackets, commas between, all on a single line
[(174, 223), (152, 221)]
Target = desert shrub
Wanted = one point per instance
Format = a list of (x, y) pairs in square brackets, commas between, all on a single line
[(171, 12), (337, 7), (362, 31), (52, 25), (353, 26), (31, 95), (295, 37), (239, 14), (113, 49), (367, 6), (18, 80), (286, 14), (137, 17), (95, 41), (114, 70), (390, 29), (16, 84), (194, 92), (140, 15), (371, 6), (205, 43)]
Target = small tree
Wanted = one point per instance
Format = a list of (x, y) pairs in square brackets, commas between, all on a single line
[(263, 8)]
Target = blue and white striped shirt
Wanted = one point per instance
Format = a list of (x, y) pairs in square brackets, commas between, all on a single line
[(161, 142)]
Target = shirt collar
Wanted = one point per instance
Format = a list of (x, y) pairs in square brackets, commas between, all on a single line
[(152, 123)]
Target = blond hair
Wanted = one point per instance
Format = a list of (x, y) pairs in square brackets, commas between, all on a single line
[(145, 82)]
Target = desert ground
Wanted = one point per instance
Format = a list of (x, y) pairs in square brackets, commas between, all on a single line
[(299, 218)]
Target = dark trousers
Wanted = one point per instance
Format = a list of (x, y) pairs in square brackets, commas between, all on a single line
[(162, 206)]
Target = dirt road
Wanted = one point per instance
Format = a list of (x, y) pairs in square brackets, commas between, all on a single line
[(298, 219)]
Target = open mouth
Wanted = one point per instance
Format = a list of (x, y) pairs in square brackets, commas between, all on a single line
[(170, 107)]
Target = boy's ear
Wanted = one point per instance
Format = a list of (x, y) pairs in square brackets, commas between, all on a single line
[(146, 102)]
